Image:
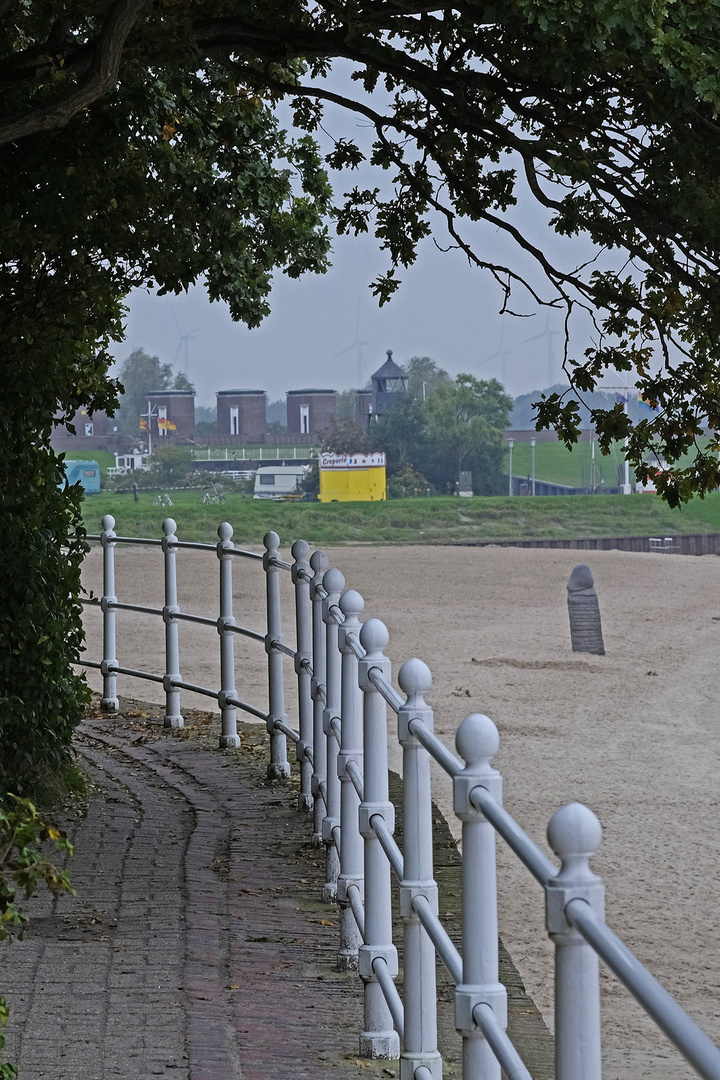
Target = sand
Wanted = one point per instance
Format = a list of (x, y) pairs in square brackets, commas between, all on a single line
[(631, 734)]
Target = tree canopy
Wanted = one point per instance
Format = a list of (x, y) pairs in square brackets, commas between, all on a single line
[(604, 113)]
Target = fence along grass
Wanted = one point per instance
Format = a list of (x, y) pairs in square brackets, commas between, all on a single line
[(344, 689)]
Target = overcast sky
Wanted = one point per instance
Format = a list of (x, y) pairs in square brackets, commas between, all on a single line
[(329, 332)]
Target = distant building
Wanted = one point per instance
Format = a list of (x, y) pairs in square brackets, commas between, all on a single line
[(92, 432), (388, 383), (172, 415), (242, 413), (363, 408), (310, 412)]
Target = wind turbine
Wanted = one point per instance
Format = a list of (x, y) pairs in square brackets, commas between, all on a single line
[(548, 334), (501, 354), (183, 342), (184, 346), (356, 344)]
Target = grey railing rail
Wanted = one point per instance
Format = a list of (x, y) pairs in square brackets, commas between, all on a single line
[(344, 689)]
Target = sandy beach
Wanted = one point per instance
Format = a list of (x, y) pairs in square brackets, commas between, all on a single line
[(631, 733)]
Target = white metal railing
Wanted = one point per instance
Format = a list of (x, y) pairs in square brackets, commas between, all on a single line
[(340, 737)]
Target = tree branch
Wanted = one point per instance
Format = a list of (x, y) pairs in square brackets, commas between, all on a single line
[(101, 77)]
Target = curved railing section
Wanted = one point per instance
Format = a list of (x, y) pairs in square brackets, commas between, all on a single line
[(340, 737)]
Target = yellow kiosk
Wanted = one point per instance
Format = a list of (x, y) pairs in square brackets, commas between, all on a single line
[(352, 477)]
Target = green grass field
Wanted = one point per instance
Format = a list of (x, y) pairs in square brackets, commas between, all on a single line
[(443, 520)]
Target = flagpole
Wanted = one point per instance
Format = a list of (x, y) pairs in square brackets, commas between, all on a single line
[(626, 489)]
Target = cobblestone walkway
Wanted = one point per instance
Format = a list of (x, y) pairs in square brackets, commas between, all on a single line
[(197, 947)]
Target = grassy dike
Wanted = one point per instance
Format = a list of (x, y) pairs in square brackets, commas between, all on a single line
[(444, 520)]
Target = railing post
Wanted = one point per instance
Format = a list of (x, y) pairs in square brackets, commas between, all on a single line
[(303, 667), (319, 563), (420, 994), (173, 716), (351, 846), (378, 1039), (109, 701), (279, 766), (477, 741), (333, 583), (225, 547), (574, 834)]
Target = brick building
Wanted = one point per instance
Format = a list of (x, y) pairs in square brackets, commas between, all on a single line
[(242, 414), (310, 412), (174, 408)]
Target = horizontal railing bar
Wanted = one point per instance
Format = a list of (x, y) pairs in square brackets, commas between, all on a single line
[(321, 593), (386, 689), (182, 616), (240, 553), (337, 839), (422, 1073), (191, 545), (335, 728), (88, 663), (356, 906), (279, 646), (239, 704), (355, 774), (541, 868), (440, 938), (322, 693), (94, 602), (387, 843), (117, 606), (280, 564), (322, 788), (390, 993), (354, 642), (435, 747), (132, 540), (308, 754), (500, 1043), (180, 684), (294, 735), (336, 615), (115, 670), (670, 1017), (246, 633)]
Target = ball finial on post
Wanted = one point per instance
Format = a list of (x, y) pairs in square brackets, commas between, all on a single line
[(574, 833), (300, 550), (334, 582), (477, 739), (225, 531), (351, 604), (374, 637), (169, 527), (414, 679)]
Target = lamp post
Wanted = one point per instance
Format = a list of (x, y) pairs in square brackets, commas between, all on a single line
[(511, 443), (532, 449)]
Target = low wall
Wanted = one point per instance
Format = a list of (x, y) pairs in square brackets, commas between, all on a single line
[(690, 544)]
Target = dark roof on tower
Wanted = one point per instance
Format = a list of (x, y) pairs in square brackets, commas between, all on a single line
[(389, 370)]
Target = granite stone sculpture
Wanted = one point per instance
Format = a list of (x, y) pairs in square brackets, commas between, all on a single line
[(584, 612)]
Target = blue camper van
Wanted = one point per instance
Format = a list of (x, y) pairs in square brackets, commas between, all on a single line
[(85, 472)]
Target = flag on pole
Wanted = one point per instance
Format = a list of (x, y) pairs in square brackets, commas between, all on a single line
[(643, 403), (144, 426), (620, 399), (167, 425)]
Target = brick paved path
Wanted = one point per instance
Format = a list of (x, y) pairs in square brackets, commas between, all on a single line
[(197, 947)]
